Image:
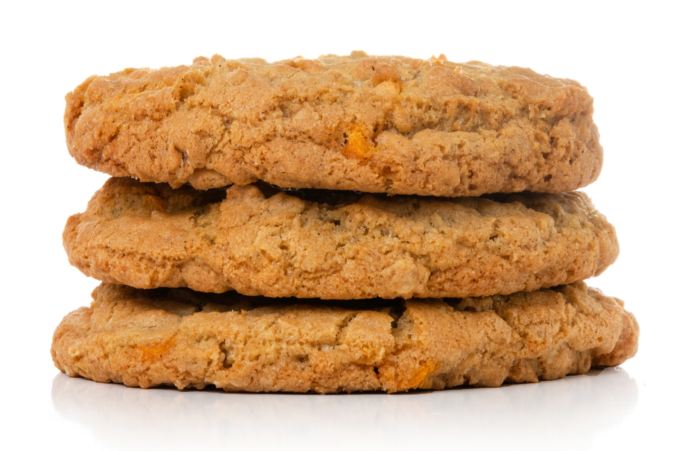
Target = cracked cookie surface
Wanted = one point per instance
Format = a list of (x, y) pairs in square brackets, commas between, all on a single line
[(187, 339), (336, 245), (372, 124)]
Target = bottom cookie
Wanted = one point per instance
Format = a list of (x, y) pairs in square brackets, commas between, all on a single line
[(188, 339)]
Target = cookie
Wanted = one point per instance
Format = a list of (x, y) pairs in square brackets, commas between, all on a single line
[(336, 245), (379, 124), (188, 339)]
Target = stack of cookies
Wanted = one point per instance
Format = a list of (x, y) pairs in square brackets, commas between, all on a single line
[(337, 225)]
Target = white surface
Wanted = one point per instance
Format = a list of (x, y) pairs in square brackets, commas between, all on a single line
[(624, 54)]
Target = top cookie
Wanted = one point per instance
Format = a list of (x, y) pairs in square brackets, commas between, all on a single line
[(375, 124)]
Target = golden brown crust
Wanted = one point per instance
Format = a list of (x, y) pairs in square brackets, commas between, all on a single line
[(374, 124), (149, 235), (177, 337)]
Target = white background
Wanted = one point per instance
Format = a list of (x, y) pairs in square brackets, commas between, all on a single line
[(624, 54)]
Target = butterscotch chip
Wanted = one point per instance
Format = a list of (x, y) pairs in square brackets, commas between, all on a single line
[(187, 339), (336, 245), (374, 124)]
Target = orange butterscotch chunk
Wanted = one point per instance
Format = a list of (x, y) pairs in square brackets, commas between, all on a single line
[(154, 353), (421, 373), (358, 144)]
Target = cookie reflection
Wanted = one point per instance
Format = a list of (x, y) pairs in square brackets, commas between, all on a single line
[(574, 409)]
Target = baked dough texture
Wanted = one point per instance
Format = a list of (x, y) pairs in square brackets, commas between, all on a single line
[(188, 339), (380, 124), (344, 246)]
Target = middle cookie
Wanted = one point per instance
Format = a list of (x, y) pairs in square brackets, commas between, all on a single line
[(336, 245)]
